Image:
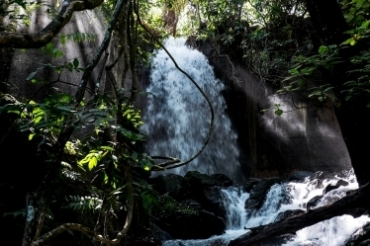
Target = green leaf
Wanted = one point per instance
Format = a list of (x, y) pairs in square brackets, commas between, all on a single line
[(348, 41), (359, 4), (301, 83), (31, 75), (106, 148), (323, 49), (279, 112), (93, 162), (76, 63), (30, 137), (365, 24)]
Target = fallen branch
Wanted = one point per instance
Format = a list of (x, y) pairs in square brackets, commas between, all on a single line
[(355, 204)]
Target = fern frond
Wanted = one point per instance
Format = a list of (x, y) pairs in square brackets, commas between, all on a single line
[(83, 204)]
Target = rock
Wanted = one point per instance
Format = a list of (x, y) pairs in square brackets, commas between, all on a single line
[(222, 180), (365, 243), (166, 183), (331, 187), (218, 242), (289, 213), (313, 202), (197, 226), (197, 180), (160, 234), (249, 184), (280, 240), (300, 176), (145, 243), (203, 189), (360, 235), (317, 183), (325, 175), (213, 201), (192, 207), (258, 194)]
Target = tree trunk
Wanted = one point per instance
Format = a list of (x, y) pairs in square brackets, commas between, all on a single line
[(328, 20), (330, 24)]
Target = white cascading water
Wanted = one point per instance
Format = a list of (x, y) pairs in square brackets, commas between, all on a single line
[(177, 120), (331, 232), (178, 117)]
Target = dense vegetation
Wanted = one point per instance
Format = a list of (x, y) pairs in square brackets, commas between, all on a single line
[(95, 182)]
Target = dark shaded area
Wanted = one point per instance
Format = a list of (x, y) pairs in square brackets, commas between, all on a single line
[(191, 207)]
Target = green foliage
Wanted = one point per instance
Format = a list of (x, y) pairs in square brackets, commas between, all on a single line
[(359, 86), (83, 204), (277, 109), (304, 68), (355, 11), (77, 37), (358, 33), (169, 207), (43, 119), (263, 34), (318, 65)]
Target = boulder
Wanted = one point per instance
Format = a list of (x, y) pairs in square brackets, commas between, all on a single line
[(222, 180), (160, 234), (250, 183), (288, 213), (166, 183), (360, 235), (365, 243), (300, 176), (203, 189), (201, 225), (258, 194), (338, 184), (313, 202), (146, 243)]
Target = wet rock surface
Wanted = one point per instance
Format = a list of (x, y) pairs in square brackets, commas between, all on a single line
[(360, 236), (258, 194)]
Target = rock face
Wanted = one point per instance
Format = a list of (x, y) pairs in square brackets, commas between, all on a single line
[(305, 138)]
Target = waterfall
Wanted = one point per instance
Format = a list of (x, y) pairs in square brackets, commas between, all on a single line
[(177, 120), (178, 117)]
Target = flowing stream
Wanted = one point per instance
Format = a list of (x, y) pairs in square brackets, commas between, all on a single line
[(282, 198), (177, 121)]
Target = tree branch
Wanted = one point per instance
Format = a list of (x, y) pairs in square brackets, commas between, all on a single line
[(37, 40)]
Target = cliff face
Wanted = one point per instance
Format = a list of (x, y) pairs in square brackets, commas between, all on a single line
[(306, 136)]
